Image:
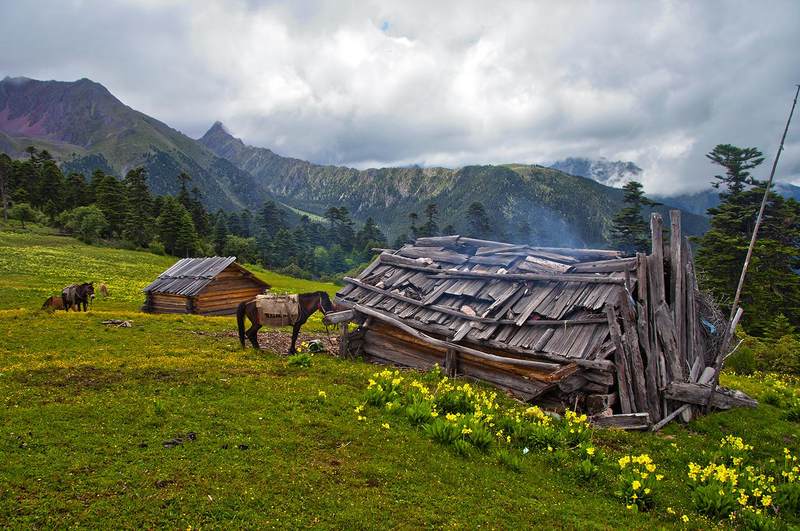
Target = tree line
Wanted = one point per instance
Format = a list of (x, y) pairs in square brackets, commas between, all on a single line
[(104, 207), (771, 294)]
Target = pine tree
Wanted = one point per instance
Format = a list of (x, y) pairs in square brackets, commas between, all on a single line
[(220, 233), (199, 213), (772, 285), (76, 191), (6, 167), (737, 162), (185, 237), (138, 227), (110, 198), (431, 226), (478, 225), (629, 230), (169, 221), (50, 193)]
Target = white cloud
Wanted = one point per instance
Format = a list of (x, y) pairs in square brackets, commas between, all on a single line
[(439, 83)]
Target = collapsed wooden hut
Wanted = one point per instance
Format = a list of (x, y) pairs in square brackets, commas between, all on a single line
[(206, 286), (630, 340)]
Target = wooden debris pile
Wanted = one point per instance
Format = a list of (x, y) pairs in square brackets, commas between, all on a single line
[(623, 338)]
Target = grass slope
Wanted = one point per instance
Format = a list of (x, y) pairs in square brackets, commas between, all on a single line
[(86, 410)]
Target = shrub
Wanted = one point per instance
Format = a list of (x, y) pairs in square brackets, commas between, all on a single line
[(461, 447), (301, 360), (637, 481), (420, 411), (509, 459), (442, 431), (480, 436), (792, 412), (156, 247), (88, 223), (383, 387)]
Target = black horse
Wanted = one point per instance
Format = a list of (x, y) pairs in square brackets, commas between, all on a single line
[(78, 295), (309, 303)]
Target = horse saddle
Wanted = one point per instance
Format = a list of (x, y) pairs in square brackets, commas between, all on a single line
[(277, 310), (70, 293)]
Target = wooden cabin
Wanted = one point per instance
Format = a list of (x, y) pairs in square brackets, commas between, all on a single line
[(206, 286), (630, 340)]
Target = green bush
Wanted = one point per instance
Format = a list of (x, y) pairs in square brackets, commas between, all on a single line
[(509, 459), (442, 431), (88, 223), (419, 411), (302, 360)]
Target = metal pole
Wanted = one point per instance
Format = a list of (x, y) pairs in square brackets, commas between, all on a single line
[(761, 211)]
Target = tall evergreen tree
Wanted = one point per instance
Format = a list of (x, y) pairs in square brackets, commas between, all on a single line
[(50, 189), (773, 285), (110, 199), (138, 227), (199, 213), (431, 225), (478, 224), (737, 163), (220, 233), (629, 230), (186, 239), (76, 191), (6, 167)]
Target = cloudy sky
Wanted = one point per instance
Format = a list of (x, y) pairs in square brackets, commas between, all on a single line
[(439, 83)]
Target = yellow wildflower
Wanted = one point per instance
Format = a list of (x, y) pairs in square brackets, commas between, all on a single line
[(636, 485), (322, 394), (385, 425), (685, 518)]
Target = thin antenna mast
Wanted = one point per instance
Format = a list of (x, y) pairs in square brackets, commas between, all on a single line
[(738, 295)]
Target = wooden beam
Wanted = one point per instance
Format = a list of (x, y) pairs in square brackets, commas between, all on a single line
[(630, 421), (701, 394), (338, 317), (437, 272), (621, 363), (677, 284)]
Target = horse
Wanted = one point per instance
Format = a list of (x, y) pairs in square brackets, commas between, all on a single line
[(78, 295), (53, 303), (308, 302), (103, 289)]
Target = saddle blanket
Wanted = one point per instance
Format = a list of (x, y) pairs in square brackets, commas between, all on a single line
[(278, 310)]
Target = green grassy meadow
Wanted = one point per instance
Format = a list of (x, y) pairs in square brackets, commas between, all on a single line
[(86, 411)]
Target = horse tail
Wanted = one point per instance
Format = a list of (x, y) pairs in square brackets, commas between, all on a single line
[(240, 320)]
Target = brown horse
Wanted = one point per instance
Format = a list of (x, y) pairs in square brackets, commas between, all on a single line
[(53, 303), (309, 303)]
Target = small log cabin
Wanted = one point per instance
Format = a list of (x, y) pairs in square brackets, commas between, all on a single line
[(205, 286), (629, 340)]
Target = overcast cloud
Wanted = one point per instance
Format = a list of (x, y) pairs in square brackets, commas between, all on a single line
[(440, 83)]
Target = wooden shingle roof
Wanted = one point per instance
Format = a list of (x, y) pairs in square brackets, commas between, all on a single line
[(189, 276), (548, 300)]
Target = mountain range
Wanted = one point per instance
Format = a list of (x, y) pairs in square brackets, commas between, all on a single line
[(618, 173), (85, 128)]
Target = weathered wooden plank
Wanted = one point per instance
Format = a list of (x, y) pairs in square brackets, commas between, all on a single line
[(677, 272), (620, 362), (631, 421), (338, 317), (448, 345), (701, 394), (631, 337)]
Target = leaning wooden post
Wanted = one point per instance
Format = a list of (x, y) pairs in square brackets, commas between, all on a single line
[(451, 363), (677, 282)]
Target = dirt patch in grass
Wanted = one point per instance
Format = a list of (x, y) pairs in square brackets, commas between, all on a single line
[(278, 340)]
